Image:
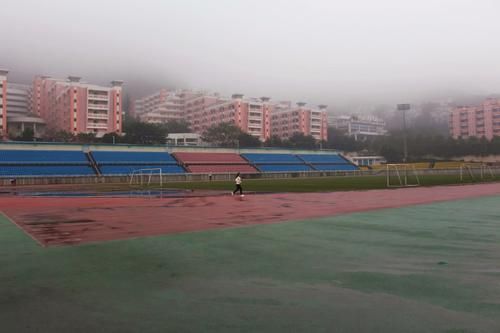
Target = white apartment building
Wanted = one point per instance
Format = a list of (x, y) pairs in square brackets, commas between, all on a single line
[(360, 127)]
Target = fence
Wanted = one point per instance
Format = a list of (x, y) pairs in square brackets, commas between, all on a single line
[(221, 176)]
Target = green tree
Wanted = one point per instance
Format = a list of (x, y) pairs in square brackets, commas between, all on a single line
[(274, 141), (248, 140), (112, 138), (222, 135), (86, 138), (338, 139), (137, 132), (27, 135), (176, 126), (299, 140), (58, 136)]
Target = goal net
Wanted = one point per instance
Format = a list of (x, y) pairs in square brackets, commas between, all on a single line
[(145, 177), (474, 171), (401, 175)]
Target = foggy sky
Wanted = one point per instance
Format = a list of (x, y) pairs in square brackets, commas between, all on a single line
[(327, 51)]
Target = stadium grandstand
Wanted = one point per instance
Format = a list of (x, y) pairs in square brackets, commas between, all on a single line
[(46, 159)]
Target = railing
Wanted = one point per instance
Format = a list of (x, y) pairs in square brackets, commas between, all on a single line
[(98, 116), (92, 96), (98, 126)]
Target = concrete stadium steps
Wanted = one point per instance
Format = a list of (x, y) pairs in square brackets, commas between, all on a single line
[(214, 162)]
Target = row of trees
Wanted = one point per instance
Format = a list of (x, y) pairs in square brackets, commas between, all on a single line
[(136, 132), (420, 146)]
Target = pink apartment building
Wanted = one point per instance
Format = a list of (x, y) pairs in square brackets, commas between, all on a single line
[(476, 121), (3, 103), (160, 107), (287, 120), (203, 110), (252, 115), (78, 107)]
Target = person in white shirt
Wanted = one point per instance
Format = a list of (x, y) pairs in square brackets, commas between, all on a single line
[(237, 181)]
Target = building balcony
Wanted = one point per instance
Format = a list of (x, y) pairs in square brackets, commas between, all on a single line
[(98, 106), (97, 126), (97, 116), (98, 97)]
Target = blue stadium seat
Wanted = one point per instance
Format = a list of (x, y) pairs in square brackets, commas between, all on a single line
[(335, 167), (46, 170), (128, 169), (125, 162), (128, 157), (323, 158), (42, 157), (257, 158), (283, 167)]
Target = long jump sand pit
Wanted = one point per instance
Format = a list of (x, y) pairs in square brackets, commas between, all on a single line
[(65, 221)]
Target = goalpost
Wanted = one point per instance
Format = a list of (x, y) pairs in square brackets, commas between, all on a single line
[(144, 176), (401, 175), (472, 171)]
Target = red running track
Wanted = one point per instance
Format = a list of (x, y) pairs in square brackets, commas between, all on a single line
[(80, 220)]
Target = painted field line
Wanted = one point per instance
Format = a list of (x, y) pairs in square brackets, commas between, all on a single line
[(22, 229)]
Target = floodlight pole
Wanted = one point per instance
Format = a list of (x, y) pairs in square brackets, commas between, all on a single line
[(404, 108), (405, 139)]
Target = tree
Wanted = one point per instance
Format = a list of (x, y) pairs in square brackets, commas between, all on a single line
[(137, 132), (248, 140), (112, 138), (27, 135), (58, 136), (222, 135), (338, 139), (299, 140), (85, 138), (176, 126), (274, 141)]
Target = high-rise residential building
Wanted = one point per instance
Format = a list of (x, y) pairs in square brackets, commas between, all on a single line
[(252, 115), (78, 107), (476, 121), (3, 102), (202, 110), (163, 106), (360, 127), (287, 121)]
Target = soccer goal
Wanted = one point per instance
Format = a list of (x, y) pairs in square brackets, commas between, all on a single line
[(401, 175), (473, 170), (144, 177)]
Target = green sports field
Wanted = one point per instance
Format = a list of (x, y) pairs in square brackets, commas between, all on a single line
[(432, 268), (339, 183)]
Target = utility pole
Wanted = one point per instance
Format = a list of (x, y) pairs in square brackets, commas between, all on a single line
[(404, 108)]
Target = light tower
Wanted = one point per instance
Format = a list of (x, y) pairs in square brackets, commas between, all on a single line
[(404, 108)]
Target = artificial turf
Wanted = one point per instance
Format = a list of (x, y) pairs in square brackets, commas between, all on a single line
[(323, 184), (431, 268)]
